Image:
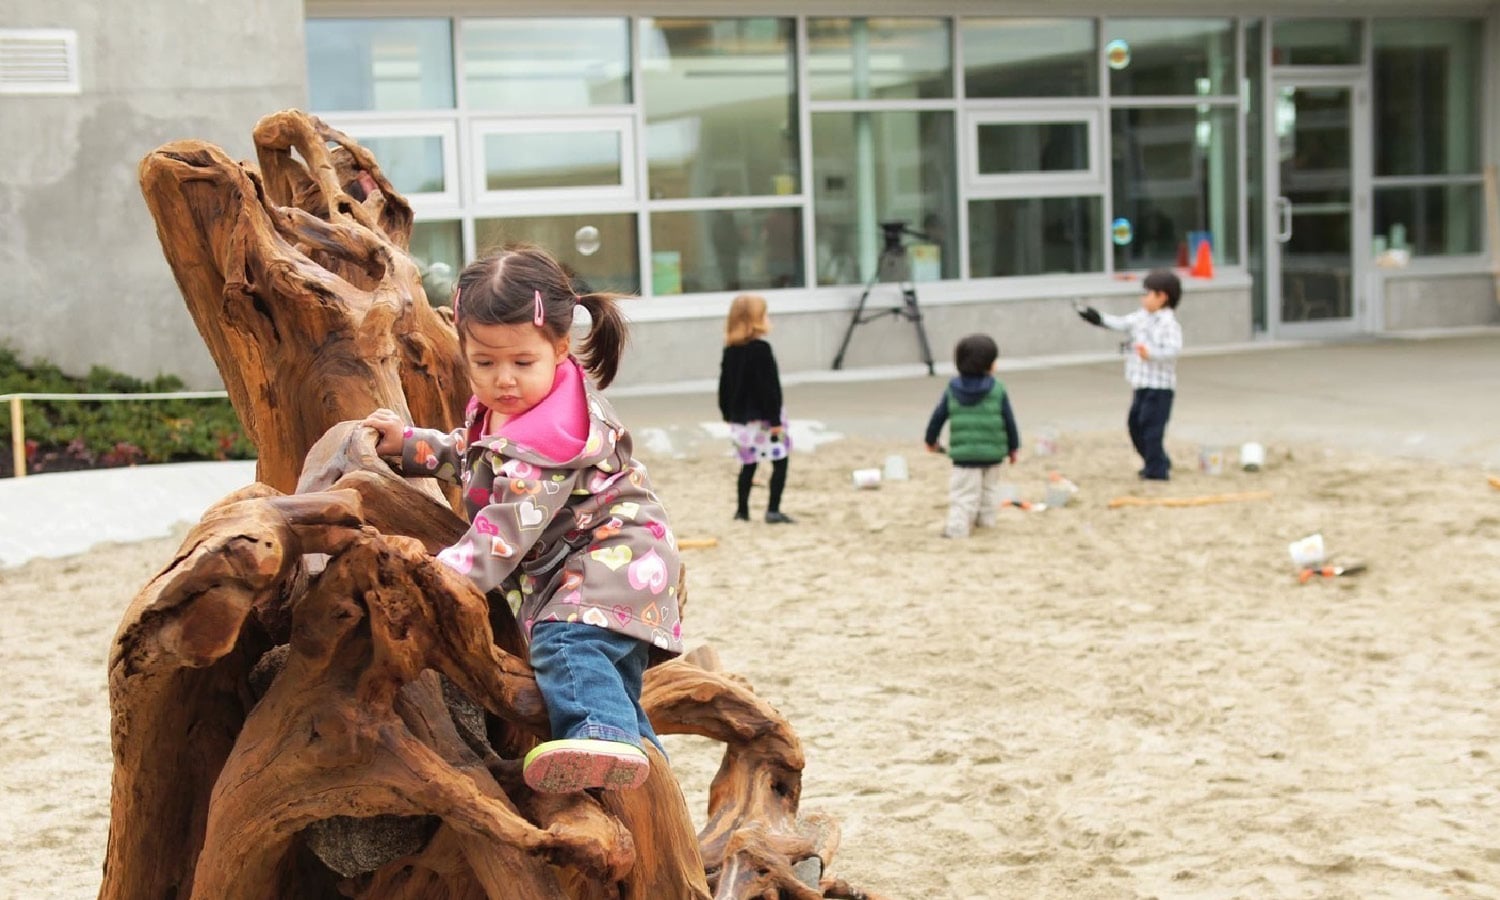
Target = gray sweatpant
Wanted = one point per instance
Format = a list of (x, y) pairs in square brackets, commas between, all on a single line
[(973, 499)]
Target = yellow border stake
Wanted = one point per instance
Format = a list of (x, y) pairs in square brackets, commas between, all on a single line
[(1202, 500), (18, 437)]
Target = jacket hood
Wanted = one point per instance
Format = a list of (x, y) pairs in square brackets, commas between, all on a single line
[(970, 389), (605, 432)]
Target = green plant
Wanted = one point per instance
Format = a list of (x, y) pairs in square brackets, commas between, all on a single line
[(72, 434)]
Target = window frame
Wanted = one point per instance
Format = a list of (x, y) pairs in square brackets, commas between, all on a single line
[(1074, 182), (486, 203)]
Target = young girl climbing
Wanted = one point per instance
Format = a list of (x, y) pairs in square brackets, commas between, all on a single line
[(750, 401), (563, 519)]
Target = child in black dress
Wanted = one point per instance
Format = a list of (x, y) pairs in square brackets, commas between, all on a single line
[(750, 401)]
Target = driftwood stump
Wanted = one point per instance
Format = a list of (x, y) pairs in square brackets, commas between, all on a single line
[(304, 704)]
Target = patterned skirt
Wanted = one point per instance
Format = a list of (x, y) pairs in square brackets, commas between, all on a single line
[(753, 441)]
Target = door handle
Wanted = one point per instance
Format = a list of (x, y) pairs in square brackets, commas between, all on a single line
[(1284, 209)]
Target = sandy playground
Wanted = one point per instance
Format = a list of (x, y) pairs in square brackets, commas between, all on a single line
[(1079, 703)]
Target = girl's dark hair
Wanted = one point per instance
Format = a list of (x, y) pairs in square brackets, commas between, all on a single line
[(500, 289), (1166, 281), (975, 354)]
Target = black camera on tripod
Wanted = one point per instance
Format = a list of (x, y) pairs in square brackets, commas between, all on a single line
[(894, 231)]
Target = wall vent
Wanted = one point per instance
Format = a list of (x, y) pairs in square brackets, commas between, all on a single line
[(38, 61)]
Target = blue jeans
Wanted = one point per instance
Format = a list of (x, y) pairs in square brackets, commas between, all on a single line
[(591, 680)]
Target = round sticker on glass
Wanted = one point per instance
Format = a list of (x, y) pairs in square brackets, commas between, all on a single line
[(1117, 54), (1121, 232)]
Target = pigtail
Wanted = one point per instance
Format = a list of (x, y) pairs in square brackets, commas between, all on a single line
[(601, 350)]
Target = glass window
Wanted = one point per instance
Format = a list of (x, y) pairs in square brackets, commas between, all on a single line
[(1035, 236), (414, 164), (515, 161), (1170, 57), (1014, 148), (726, 250), (548, 64), (600, 250), (873, 167), (379, 64), (879, 59), (1428, 77), (438, 248), (1174, 173), (1429, 220), (1315, 42), (721, 107), (1030, 58)]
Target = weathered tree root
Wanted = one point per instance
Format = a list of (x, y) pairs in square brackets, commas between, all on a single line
[(304, 703)]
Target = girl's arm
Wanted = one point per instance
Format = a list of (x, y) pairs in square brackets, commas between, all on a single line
[(525, 499), (422, 451), (768, 384)]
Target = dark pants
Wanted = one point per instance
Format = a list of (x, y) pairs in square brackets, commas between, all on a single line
[(778, 484), (1150, 409)]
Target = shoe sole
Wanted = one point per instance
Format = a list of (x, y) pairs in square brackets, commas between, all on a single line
[(559, 767)]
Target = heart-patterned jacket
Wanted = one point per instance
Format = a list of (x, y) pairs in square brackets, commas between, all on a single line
[(579, 540)]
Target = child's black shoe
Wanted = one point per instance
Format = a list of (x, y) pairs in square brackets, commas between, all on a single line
[(779, 518)]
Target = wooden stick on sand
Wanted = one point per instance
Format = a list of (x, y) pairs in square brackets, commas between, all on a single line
[(1201, 500)]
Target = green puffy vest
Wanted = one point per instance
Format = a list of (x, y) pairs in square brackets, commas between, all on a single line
[(976, 434)]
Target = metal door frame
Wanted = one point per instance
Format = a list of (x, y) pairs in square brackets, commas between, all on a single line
[(1361, 152)]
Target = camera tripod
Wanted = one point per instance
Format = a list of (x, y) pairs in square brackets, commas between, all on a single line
[(892, 261)]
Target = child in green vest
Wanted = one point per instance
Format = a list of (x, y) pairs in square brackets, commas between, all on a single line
[(981, 435)]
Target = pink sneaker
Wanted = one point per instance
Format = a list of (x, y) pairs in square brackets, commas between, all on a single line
[(558, 767)]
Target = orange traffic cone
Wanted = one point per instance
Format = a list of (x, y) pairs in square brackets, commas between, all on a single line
[(1203, 262)]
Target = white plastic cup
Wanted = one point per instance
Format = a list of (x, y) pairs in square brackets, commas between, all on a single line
[(1060, 493), (1307, 552), (895, 468), (1211, 460), (866, 478), (1045, 443), (1252, 457)]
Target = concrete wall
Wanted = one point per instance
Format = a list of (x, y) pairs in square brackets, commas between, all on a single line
[(689, 350), (1440, 302), (82, 277)]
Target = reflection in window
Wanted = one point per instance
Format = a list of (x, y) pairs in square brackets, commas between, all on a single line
[(1170, 57), (437, 248), (1428, 84), (1013, 148), (550, 64), (1175, 172), (720, 98), (1030, 58), (1035, 236), (726, 250), (1315, 42), (379, 64), (1430, 220), (414, 164), (515, 161), (872, 167), (612, 263), (879, 59)]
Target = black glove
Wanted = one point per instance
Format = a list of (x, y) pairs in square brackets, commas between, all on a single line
[(1091, 316)]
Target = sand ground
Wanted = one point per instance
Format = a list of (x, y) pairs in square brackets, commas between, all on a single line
[(1078, 703)]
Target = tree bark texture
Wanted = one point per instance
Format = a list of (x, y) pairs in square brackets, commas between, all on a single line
[(304, 702)]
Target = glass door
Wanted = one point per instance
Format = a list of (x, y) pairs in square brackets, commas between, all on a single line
[(1318, 206)]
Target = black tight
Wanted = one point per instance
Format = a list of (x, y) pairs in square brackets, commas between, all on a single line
[(778, 484)]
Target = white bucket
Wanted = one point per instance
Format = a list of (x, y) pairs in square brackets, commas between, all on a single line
[(1307, 552), (895, 468), (1045, 443), (1060, 492), (1211, 460), (1252, 457), (867, 478)]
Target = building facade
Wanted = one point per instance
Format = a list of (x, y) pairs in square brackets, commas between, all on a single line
[(1002, 161)]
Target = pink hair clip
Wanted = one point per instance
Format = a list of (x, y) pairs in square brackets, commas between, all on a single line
[(538, 312), (455, 303)]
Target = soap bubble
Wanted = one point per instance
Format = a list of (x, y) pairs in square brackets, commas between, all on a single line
[(586, 240)]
